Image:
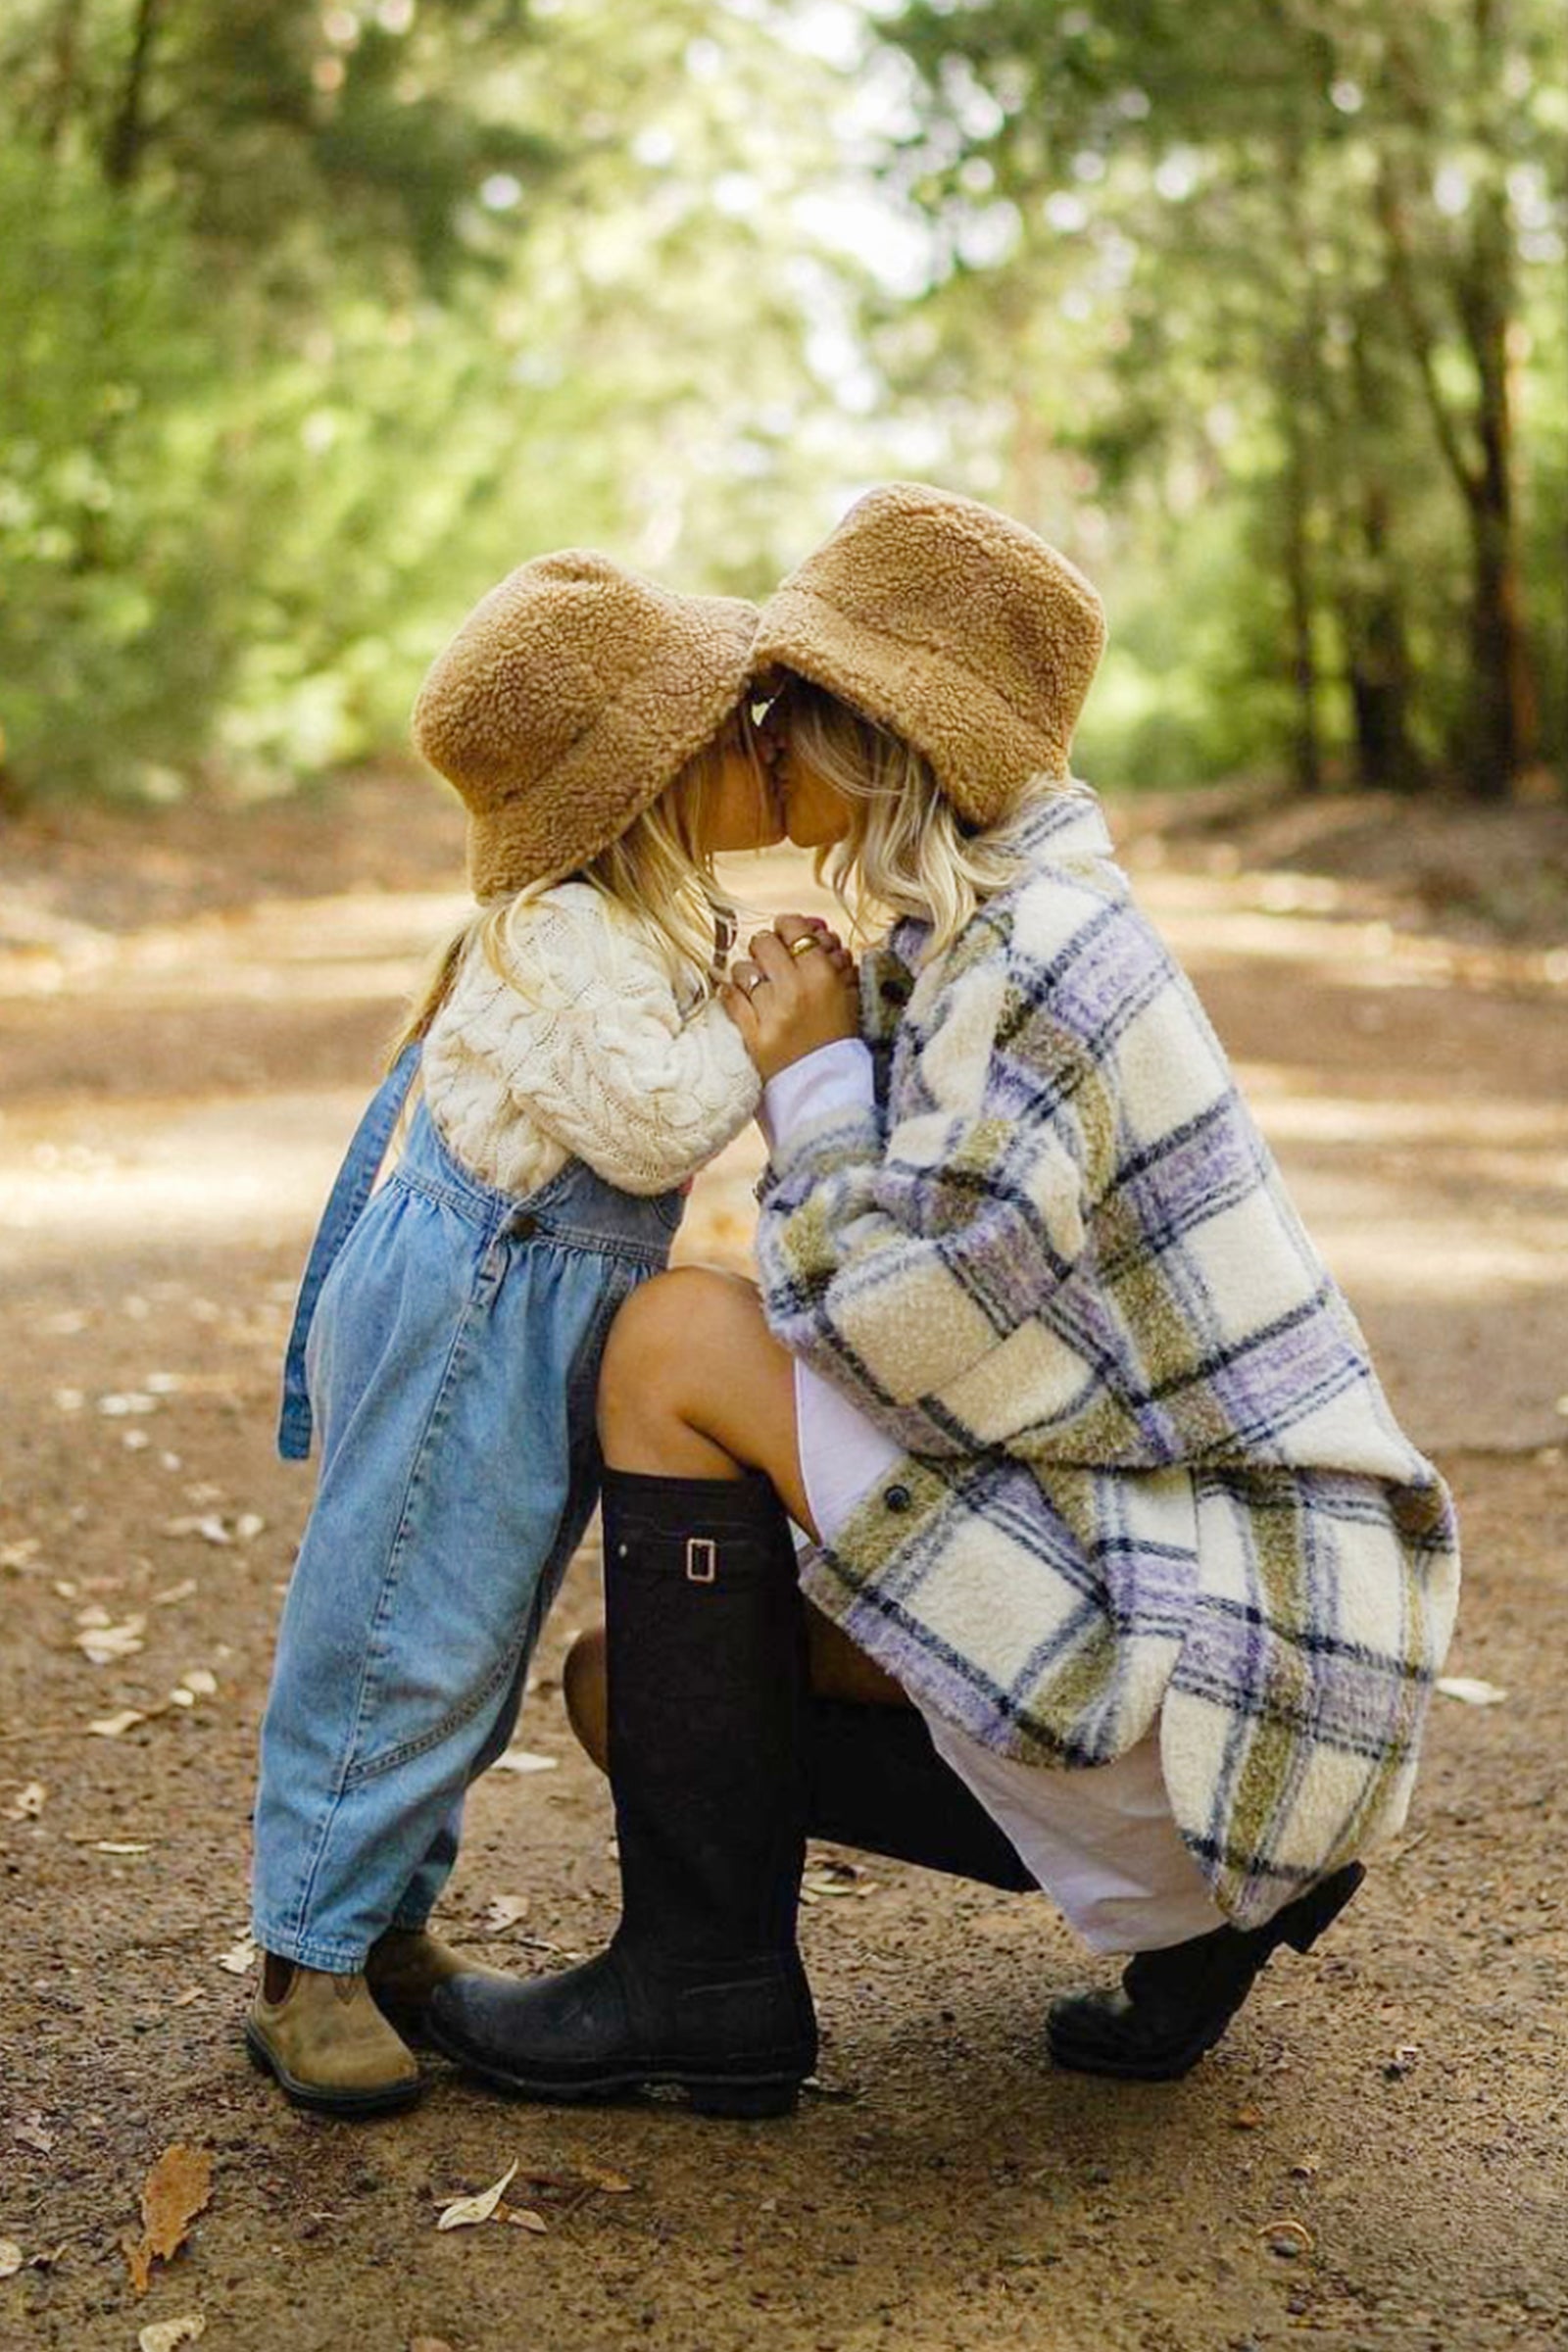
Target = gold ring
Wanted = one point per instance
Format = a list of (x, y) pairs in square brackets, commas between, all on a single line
[(804, 944)]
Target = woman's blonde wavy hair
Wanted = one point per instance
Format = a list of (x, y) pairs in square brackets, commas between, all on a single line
[(657, 870), (907, 851)]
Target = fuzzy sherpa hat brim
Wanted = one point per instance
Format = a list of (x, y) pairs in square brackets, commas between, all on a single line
[(951, 625), (573, 694)]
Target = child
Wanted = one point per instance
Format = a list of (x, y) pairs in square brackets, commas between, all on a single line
[(577, 1070), (1099, 1468)]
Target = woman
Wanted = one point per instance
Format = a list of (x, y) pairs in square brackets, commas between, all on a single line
[(1094, 1462)]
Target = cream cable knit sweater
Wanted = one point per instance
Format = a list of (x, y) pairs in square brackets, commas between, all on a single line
[(585, 1051)]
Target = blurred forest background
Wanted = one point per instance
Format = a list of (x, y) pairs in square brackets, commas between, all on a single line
[(318, 318)]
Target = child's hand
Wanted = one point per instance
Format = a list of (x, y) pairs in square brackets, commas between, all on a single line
[(798, 989)]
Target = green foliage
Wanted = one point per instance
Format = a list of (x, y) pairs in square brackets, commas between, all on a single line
[(321, 314)]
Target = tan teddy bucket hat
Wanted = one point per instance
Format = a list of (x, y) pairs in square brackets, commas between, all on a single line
[(571, 697), (950, 624)]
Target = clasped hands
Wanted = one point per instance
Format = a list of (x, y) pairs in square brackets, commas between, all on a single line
[(795, 989)]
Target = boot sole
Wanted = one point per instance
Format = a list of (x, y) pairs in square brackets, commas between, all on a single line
[(347, 2105), (735, 2096)]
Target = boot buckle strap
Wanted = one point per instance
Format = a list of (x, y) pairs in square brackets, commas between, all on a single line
[(702, 1561)]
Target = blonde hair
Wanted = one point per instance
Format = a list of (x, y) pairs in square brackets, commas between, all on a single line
[(659, 871), (908, 852)]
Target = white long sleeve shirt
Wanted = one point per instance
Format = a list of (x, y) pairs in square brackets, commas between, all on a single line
[(585, 1049)]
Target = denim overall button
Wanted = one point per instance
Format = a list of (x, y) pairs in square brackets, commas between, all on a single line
[(523, 1227), (897, 1498)]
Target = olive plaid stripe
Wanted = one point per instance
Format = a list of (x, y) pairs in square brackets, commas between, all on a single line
[(1149, 1469)]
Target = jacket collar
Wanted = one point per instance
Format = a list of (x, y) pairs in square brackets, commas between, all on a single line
[(1061, 827)]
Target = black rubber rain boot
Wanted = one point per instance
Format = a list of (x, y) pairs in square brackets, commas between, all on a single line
[(1173, 2005), (875, 1781), (701, 1985)]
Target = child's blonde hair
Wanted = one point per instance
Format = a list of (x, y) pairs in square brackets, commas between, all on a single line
[(659, 871), (907, 851)]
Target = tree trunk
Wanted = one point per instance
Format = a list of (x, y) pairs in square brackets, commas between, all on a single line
[(1306, 743), (127, 134)]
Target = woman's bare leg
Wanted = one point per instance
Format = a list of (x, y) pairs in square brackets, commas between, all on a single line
[(693, 1385)]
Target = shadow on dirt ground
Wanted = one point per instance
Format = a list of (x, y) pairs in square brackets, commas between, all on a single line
[(191, 1008)]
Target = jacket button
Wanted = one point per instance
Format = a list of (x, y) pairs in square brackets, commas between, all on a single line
[(524, 1228), (897, 1498)]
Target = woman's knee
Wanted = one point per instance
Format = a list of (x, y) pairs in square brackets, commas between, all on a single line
[(666, 1334)]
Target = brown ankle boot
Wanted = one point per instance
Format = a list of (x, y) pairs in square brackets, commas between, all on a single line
[(405, 1966), (327, 2042)]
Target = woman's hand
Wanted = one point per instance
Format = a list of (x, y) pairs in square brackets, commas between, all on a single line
[(797, 990)]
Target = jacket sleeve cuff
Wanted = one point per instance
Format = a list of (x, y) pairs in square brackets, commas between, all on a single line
[(834, 1083)]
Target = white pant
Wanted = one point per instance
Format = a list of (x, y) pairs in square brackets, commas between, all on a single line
[(1102, 1843)]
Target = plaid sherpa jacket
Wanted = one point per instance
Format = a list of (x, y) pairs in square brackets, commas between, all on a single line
[(1150, 1470)]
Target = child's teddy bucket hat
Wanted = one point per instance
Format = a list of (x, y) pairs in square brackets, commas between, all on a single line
[(571, 695), (951, 625)]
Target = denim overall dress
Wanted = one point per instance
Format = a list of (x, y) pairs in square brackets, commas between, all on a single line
[(446, 1344)]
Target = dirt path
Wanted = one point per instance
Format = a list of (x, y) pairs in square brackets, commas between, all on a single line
[(184, 1040)]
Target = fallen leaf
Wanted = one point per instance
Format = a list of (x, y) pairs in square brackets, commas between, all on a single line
[(240, 1958), (176, 2190), (132, 1401), (113, 1726), (163, 1384), (837, 1878), (184, 2001), (28, 1803), (428, 2343), (614, 2184), (1246, 2119), (102, 1643), (116, 1845), (460, 2213), (1288, 2238), (502, 1913), (1474, 1693), (201, 1681), (248, 1525), (182, 1698), (206, 1524), (522, 2216), (524, 1759), (162, 2336), (12, 2258), (172, 1593), (32, 2135)]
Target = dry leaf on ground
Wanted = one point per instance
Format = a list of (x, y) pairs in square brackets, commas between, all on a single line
[(460, 2213), (239, 1959), (525, 1759), (503, 1911), (103, 1644), (115, 1727), (523, 2216), (612, 2184), (837, 1879), (1474, 1693), (162, 2336), (28, 1803), (428, 2343), (174, 2193), (200, 1681), (11, 2258)]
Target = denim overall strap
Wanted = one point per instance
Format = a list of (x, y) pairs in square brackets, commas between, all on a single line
[(356, 1179)]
